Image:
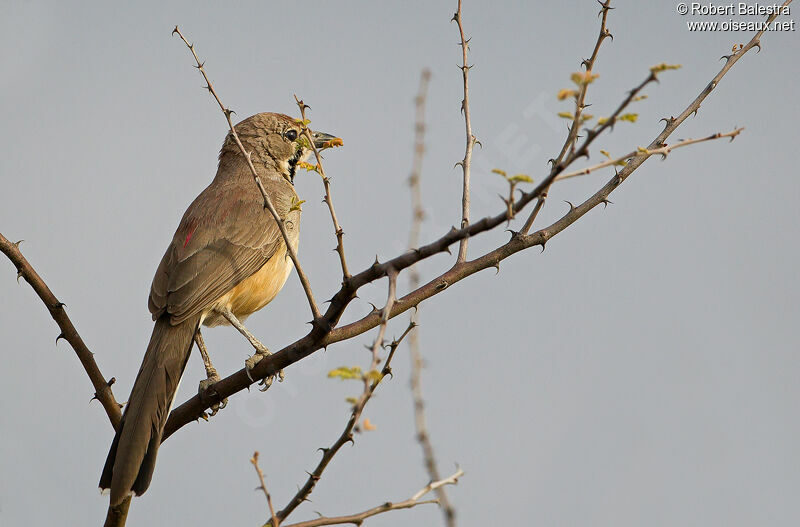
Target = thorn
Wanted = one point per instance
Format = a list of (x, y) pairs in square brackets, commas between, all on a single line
[(16, 244), (175, 30), (543, 245), (497, 266), (59, 305), (19, 275), (228, 112), (552, 161), (571, 206), (726, 57), (478, 143), (455, 18), (200, 65), (757, 45), (60, 336), (606, 203)]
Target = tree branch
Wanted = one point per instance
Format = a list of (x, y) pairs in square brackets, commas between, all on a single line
[(263, 487), (417, 215), (371, 381), (327, 183), (102, 388), (358, 519), (470, 141)]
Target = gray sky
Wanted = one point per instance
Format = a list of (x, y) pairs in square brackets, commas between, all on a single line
[(642, 371)]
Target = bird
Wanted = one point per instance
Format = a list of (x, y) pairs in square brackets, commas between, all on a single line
[(227, 259)]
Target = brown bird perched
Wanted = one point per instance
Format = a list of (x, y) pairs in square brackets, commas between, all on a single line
[(227, 260)]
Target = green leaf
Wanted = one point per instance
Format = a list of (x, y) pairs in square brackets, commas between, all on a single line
[(658, 68), (520, 178), (346, 373)]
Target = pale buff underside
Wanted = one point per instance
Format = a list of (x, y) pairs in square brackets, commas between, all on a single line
[(254, 292)]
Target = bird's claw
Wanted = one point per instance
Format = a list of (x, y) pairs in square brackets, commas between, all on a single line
[(203, 391), (251, 362)]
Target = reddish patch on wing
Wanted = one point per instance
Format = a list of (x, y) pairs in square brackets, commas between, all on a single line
[(189, 236)]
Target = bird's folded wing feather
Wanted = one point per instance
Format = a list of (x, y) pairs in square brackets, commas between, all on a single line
[(211, 253)]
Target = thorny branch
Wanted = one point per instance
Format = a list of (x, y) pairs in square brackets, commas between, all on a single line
[(663, 151), (564, 159), (263, 487), (267, 202), (358, 519), (465, 163), (327, 183), (371, 381), (325, 331), (102, 387), (417, 216)]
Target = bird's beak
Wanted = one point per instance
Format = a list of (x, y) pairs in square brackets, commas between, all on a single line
[(323, 140)]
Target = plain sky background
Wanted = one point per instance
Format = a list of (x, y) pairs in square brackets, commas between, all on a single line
[(642, 371)]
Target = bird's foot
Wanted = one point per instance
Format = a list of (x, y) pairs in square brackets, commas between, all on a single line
[(250, 363), (206, 393)]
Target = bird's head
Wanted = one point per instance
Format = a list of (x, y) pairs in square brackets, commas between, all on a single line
[(276, 141)]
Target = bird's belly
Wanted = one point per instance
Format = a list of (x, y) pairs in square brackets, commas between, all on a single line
[(254, 292)]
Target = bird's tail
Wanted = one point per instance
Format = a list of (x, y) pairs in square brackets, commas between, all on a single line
[(132, 458)]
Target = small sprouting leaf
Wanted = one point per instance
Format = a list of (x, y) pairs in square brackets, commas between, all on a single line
[(658, 68), (303, 122), (520, 178), (373, 375), (499, 172), (642, 150), (302, 141), (602, 120), (605, 153), (582, 78), (346, 373), (296, 204), (586, 117), (367, 424), (351, 400), (566, 115), (639, 98), (566, 93), (630, 117), (308, 166)]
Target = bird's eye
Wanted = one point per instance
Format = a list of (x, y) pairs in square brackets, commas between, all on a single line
[(291, 135)]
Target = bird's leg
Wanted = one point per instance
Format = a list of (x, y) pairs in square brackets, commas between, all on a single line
[(211, 373), (261, 350)]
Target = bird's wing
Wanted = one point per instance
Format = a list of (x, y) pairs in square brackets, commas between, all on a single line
[(216, 246)]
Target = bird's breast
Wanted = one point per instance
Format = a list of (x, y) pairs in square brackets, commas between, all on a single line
[(254, 292)]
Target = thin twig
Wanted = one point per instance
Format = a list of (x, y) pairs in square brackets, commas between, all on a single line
[(267, 201), (327, 183), (371, 381), (358, 519), (263, 487), (417, 216), (470, 139), (102, 387), (326, 333), (663, 151), (558, 164)]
